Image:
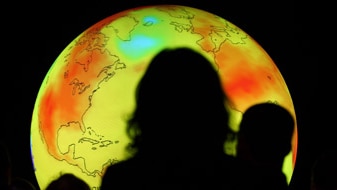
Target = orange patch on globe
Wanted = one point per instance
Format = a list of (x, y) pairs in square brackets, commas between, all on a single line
[(78, 123)]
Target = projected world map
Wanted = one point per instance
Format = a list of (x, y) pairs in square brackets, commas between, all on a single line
[(78, 122)]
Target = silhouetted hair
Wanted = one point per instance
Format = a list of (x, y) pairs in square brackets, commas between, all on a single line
[(68, 181), (178, 128), (179, 88), (268, 128)]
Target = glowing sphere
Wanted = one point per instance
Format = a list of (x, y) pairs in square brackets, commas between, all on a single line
[(78, 123)]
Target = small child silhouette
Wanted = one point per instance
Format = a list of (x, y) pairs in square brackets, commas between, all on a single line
[(264, 139)]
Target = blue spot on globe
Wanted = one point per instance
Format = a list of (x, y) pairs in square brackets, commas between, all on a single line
[(79, 117)]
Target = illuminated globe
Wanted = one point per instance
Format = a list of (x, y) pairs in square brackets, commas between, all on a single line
[(78, 122)]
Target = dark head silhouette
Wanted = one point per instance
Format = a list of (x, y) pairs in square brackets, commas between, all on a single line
[(180, 102), (265, 137), (68, 181), (179, 125), (268, 129)]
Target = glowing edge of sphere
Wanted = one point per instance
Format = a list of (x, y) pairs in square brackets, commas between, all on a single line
[(73, 108)]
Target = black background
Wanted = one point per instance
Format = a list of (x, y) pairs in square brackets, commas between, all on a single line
[(291, 33)]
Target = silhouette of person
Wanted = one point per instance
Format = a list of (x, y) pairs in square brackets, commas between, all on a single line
[(324, 171), (264, 139), (68, 181), (178, 128)]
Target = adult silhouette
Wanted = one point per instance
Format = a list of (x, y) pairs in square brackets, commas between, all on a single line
[(264, 139), (178, 128)]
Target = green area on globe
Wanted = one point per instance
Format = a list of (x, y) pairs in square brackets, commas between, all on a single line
[(79, 118)]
